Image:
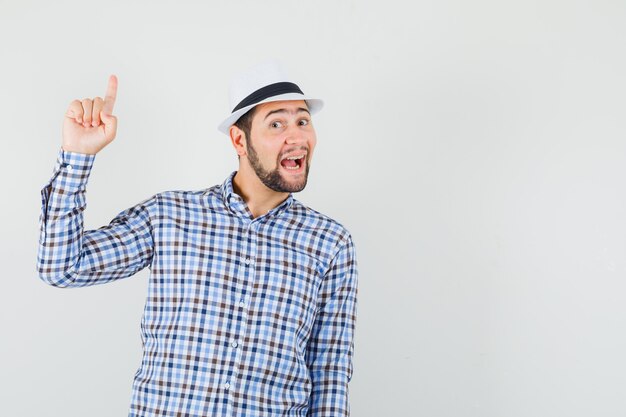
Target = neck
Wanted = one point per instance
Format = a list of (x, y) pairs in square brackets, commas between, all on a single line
[(258, 197)]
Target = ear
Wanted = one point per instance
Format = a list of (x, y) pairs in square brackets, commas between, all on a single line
[(238, 139)]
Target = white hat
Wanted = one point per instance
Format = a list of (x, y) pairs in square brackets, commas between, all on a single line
[(263, 83)]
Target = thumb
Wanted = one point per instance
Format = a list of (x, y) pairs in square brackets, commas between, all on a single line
[(110, 125)]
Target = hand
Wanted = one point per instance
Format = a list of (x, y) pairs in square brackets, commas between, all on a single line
[(89, 125)]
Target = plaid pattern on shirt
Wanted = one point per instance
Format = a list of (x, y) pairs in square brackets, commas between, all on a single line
[(243, 317)]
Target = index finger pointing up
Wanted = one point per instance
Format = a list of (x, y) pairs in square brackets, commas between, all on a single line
[(109, 98)]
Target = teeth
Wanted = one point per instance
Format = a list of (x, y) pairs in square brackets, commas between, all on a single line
[(295, 157)]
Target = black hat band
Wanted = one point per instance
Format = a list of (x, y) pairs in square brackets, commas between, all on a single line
[(268, 91)]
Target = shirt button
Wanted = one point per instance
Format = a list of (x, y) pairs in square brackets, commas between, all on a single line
[(70, 168), (242, 303), (247, 261), (234, 344), (227, 385)]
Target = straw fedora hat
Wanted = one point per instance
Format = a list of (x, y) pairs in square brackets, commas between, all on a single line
[(263, 83)]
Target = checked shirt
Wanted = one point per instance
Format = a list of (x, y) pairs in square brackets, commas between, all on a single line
[(243, 317)]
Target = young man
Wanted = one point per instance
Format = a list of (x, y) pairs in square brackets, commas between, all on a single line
[(252, 296)]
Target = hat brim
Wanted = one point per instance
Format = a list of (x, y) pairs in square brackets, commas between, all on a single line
[(314, 105)]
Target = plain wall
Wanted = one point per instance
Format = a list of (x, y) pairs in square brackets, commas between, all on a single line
[(475, 150)]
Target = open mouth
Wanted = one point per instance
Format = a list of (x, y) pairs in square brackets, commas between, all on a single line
[(293, 163)]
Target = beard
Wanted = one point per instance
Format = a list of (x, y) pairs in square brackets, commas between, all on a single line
[(273, 179)]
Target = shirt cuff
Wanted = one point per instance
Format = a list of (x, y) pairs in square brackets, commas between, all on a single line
[(71, 171), (74, 161)]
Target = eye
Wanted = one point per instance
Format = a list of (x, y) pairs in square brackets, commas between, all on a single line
[(304, 122), (276, 124)]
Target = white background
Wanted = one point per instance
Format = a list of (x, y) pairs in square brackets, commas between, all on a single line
[(475, 150)]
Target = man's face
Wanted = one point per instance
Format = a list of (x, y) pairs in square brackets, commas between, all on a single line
[(281, 143)]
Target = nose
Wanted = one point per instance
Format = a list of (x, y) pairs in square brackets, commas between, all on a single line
[(294, 135)]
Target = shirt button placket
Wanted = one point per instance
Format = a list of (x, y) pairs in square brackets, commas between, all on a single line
[(248, 275), (234, 344)]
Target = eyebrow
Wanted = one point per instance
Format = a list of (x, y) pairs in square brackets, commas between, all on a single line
[(300, 109)]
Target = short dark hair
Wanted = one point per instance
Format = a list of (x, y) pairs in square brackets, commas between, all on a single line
[(245, 122)]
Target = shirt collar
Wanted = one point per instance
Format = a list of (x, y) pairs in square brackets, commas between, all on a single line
[(234, 202)]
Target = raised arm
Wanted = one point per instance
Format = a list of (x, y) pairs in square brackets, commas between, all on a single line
[(69, 256)]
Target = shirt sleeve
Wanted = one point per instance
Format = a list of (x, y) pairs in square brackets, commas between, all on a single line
[(331, 346), (69, 256)]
